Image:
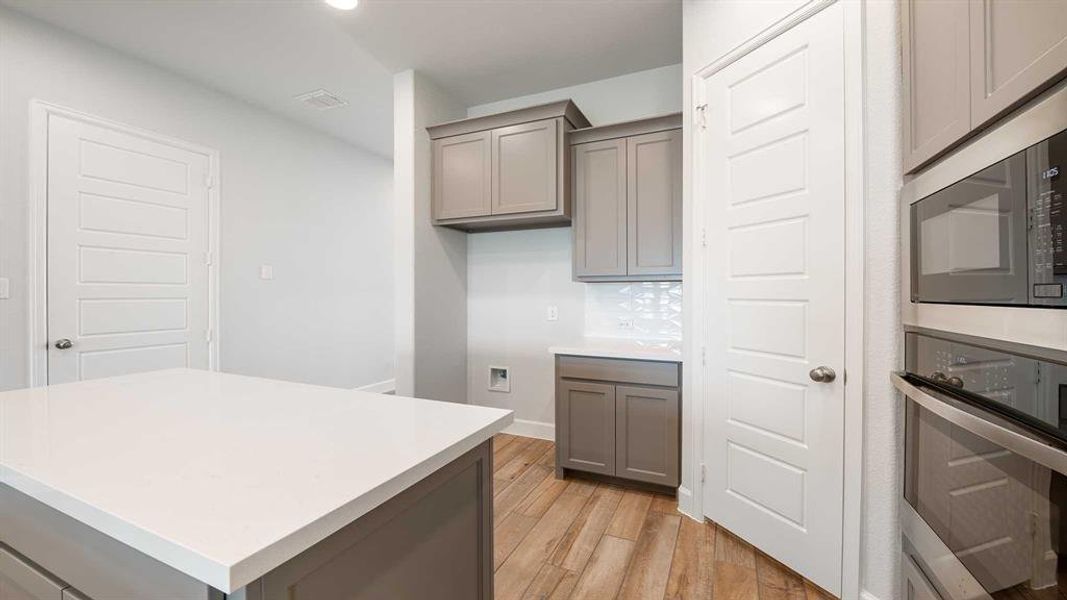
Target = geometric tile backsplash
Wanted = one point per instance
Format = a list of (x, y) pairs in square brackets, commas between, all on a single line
[(648, 310)]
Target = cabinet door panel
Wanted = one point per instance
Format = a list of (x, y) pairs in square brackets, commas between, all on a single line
[(1016, 47), (937, 106), (647, 438), (654, 204), (600, 208), (585, 419), (19, 580), (525, 168), (461, 176)]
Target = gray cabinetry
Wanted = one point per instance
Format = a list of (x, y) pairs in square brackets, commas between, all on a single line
[(1016, 47), (965, 63), (647, 434), (628, 201), (504, 171), (461, 176), (586, 421), (22, 580), (619, 418), (600, 208), (937, 85)]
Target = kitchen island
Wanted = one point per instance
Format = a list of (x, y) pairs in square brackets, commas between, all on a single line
[(194, 484)]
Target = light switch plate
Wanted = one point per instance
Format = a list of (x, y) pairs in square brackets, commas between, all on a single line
[(266, 272), (552, 314), (5, 288)]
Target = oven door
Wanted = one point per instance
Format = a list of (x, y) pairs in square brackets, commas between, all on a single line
[(969, 240), (984, 499)]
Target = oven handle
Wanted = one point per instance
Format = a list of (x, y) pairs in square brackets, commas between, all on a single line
[(985, 426)]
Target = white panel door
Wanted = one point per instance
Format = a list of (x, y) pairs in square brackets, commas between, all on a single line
[(127, 253), (774, 204)]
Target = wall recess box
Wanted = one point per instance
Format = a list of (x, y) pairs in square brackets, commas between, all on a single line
[(499, 381)]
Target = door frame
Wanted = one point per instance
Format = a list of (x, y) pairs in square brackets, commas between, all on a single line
[(37, 250), (691, 496)]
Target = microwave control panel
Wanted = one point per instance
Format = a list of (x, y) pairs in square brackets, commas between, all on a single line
[(1048, 222)]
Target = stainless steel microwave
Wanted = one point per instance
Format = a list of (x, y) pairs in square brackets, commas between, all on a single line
[(996, 237), (985, 486)]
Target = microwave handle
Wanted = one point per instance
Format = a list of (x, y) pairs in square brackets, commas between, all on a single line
[(1014, 440)]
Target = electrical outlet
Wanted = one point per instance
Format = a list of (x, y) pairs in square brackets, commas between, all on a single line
[(553, 313)]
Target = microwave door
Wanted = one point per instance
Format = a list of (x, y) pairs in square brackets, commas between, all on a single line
[(969, 240)]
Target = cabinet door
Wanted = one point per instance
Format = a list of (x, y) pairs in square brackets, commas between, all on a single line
[(20, 580), (654, 203), (936, 66), (647, 439), (1016, 48), (462, 168), (600, 208), (525, 168), (585, 422)]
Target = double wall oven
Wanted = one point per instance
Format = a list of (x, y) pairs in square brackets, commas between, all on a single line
[(985, 378)]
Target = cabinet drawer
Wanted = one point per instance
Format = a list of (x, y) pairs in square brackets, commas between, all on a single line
[(619, 370), (20, 579)]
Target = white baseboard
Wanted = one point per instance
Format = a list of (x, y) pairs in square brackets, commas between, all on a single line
[(534, 429), (382, 387), (685, 504)]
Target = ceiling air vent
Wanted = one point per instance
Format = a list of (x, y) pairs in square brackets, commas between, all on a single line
[(322, 100)]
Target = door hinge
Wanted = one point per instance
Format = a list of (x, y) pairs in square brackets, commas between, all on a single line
[(700, 115), (704, 237), (703, 472)]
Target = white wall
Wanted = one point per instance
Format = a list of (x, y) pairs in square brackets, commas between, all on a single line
[(514, 276), (430, 262), (713, 29), (632, 96), (314, 207)]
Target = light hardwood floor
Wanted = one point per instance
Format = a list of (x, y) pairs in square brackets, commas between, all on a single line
[(584, 540)]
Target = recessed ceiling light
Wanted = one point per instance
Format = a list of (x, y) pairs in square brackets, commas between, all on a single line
[(343, 4)]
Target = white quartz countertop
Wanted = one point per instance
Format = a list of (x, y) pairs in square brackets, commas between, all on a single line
[(225, 477), (658, 350)]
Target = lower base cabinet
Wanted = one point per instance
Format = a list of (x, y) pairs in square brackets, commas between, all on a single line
[(620, 418)]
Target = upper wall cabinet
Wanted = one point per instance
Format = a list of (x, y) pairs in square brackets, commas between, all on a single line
[(504, 171), (966, 63), (628, 201)]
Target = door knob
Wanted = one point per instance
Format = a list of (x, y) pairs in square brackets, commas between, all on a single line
[(63, 344), (822, 375)]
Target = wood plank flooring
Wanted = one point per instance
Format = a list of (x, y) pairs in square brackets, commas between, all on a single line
[(582, 540)]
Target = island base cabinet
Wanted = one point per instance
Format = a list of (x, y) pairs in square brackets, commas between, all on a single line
[(21, 580), (647, 429), (434, 540)]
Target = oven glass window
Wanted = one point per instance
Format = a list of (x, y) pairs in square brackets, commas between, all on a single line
[(1000, 514)]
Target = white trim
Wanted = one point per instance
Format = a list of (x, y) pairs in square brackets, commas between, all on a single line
[(691, 503), (382, 387), (37, 271), (855, 300), (533, 429), (865, 595)]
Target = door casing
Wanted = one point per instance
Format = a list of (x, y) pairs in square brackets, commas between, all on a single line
[(37, 285)]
